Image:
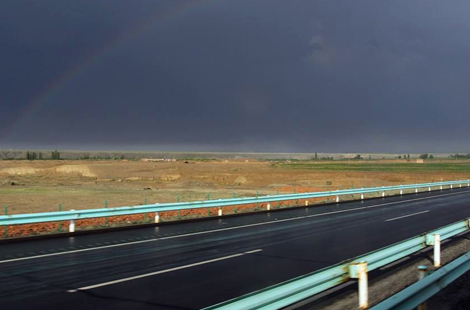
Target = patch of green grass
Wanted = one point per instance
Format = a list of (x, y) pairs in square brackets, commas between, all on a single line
[(380, 167), (24, 190)]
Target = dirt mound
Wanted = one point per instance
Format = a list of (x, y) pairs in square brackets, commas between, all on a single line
[(170, 177), (20, 170), (79, 169), (240, 180)]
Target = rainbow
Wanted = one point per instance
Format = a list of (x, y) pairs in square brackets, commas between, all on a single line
[(94, 57)]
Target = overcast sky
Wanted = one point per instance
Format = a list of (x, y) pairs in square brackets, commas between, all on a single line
[(235, 75)]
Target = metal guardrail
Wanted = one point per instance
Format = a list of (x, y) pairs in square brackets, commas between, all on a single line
[(295, 290), (424, 289), (107, 212)]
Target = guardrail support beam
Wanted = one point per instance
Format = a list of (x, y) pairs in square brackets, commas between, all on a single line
[(437, 250), (421, 275), (72, 224), (363, 289), (359, 271)]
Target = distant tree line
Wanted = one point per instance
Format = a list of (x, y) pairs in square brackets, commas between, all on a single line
[(38, 155), (87, 156), (316, 157), (426, 156), (460, 156), (55, 155), (406, 156), (33, 155)]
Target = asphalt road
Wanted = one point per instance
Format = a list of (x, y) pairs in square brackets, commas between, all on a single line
[(194, 265)]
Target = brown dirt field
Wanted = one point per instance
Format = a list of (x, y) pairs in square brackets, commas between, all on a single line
[(40, 186)]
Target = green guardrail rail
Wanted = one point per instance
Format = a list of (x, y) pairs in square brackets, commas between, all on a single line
[(31, 218), (290, 292)]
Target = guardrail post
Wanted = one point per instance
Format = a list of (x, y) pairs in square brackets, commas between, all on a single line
[(268, 207), (451, 186), (416, 190), (5, 230), (105, 219), (401, 191), (60, 222), (220, 212), (383, 194), (157, 218), (429, 188), (337, 198), (295, 192), (363, 289), (441, 187), (72, 224), (421, 274), (437, 250), (359, 271), (145, 214), (362, 196), (306, 203)]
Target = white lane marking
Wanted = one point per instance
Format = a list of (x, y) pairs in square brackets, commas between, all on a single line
[(162, 271), (223, 229), (408, 215), (75, 251)]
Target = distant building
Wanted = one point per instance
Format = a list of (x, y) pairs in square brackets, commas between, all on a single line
[(154, 159)]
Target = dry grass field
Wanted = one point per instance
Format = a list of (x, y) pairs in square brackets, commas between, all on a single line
[(36, 186)]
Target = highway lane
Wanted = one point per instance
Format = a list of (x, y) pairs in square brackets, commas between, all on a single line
[(192, 265)]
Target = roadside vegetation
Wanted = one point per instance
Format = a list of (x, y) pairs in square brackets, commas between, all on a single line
[(379, 166)]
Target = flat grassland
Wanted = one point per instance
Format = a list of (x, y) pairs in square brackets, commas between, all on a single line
[(382, 166), (38, 186)]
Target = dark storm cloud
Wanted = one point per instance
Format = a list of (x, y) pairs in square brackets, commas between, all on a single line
[(235, 75)]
